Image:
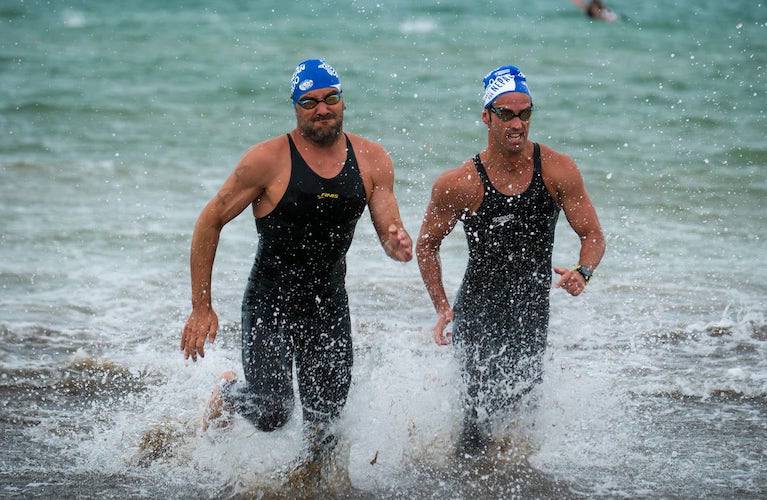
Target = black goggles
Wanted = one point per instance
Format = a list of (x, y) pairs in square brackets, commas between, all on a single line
[(311, 102), (506, 115)]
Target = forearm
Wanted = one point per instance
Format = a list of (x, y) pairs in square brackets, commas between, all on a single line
[(431, 272), (592, 249), (385, 214), (203, 253)]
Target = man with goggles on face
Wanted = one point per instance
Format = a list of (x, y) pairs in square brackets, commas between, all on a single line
[(307, 190), (508, 198)]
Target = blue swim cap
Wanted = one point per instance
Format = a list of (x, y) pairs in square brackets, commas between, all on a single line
[(503, 80), (312, 74)]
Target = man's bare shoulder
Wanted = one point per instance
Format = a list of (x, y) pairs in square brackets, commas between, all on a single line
[(560, 173), (366, 148), (373, 161), (266, 151), (265, 158), (556, 162), (460, 185)]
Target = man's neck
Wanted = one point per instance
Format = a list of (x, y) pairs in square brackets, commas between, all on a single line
[(510, 161)]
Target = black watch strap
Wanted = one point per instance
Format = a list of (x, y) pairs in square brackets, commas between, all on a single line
[(585, 271)]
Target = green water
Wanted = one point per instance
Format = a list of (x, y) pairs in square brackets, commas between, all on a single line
[(119, 120)]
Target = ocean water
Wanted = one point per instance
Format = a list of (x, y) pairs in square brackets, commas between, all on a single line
[(118, 121)]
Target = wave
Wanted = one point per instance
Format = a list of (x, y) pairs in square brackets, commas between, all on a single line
[(418, 26), (748, 328), (33, 107), (759, 332), (28, 278), (93, 376), (698, 122), (747, 156), (25, 147), (11, 13), (73, 19), (719, 395), (16, 420), (46, 107), (160, 442), (441, 8), (503, 471), (245, 89), (83, 376), (29, 335)]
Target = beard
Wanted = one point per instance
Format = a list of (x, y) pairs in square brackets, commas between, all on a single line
[(323, 136)]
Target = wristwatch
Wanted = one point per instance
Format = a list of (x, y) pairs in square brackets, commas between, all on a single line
[(585, 271)]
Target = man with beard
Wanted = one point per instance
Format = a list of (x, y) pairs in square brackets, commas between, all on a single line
[(508, 198), (307, 190)]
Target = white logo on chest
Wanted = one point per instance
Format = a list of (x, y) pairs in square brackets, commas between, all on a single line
[(502, 219)]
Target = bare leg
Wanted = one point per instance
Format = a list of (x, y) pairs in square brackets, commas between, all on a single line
[(215, 406)]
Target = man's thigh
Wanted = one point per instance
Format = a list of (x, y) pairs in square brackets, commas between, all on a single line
[(324, 360)]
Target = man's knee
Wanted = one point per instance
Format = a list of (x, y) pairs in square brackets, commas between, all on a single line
[(268, 414), (270, 419)]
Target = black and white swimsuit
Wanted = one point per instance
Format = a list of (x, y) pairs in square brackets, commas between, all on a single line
[(502, 307)]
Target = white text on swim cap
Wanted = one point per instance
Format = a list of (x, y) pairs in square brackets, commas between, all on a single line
[(294, 80), (501, 83), (327, 67)]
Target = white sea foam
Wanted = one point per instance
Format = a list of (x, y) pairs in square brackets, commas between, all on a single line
[(73, 19), (418, 26)]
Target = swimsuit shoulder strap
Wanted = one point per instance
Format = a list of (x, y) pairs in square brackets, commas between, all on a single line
[(482, 174)]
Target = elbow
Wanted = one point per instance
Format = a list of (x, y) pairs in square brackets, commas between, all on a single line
[(209, 222)]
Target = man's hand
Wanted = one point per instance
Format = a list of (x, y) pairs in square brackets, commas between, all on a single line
[(571, 280), (201, 324), (398, 244), (441, 337)]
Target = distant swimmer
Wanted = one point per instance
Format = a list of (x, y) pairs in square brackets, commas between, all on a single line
[(595, 9), (307, 189), (508, 198)]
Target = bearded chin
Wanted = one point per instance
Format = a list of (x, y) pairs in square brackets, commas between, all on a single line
[(322, 136)]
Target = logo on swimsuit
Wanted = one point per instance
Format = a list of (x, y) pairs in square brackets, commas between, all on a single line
[(502, 219), (327, 195)]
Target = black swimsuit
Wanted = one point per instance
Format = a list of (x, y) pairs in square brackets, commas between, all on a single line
[(502, 307), (295, 303)]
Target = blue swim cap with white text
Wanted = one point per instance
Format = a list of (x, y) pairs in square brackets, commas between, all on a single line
[(310, 75), (503, 80)]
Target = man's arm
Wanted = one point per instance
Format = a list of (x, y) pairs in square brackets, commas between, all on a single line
[(445, 207), (242, 187), (384, 210), (583, 219)]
